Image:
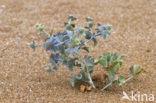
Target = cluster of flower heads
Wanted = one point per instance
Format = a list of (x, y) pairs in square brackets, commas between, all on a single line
[(62, 44)]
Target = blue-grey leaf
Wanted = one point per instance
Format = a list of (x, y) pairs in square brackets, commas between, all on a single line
[(137, 69), (86, 48), (90, 25), (55, 59), (95, 41), (131, 70), (121, 80), (71, 17), (73, 80), (134, 70), (88, 19), (111, 76), (33, 45), (79, 76), (89, 61), (70, 63)]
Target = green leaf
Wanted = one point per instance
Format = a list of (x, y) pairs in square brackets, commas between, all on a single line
[(110, 61), (122, 56), (115, 56), (73, 80), (111, 76), (103, 61), (69, 27), (33, 45), (121, 80), (86, 48), (134, 70), (137, 69), (108, 57), (71, 17), (65, 24), (131, 70), (79, 76), (73, 25), (81, 31), (70, 63), (51, 32), (47, 45), (95, 41), (82, 76), (89, 61), (115, 67), (86, 76), (88, 33), (91, 25), (90, 69), (88, 19)]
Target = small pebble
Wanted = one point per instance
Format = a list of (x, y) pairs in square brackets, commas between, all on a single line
[(3, 6), (30, 90)]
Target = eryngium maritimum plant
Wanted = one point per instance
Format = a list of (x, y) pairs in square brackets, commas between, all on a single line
[(64, 48)]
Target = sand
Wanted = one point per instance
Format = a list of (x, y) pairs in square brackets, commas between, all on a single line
[(22, 78)]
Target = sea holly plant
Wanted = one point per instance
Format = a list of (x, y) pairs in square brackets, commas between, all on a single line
[(65, 48), (111, 62)]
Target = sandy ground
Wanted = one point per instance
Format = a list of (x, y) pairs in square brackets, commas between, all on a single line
[(22, 78)]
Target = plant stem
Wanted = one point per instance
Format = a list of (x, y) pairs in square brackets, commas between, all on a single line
[(109, 84), (86, 71), (92, 82), (90, 79), (69, 21), (46, 32), (38, 45), (128, 78), (90, 39), (85, 43)]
